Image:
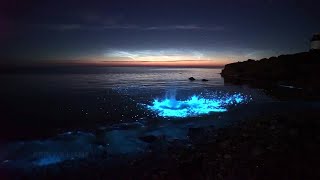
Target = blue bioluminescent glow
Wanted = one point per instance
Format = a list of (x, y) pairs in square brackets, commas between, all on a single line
[(195, 105), (44, 161)]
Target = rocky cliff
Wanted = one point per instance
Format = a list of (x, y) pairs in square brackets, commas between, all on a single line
[(295, 71)]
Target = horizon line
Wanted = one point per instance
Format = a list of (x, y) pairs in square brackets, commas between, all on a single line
[(97, 63)]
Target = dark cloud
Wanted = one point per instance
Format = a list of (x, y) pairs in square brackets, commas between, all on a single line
[(66, 27)]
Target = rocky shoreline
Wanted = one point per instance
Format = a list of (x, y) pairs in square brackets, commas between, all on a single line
[(273, 146), (296, 74)]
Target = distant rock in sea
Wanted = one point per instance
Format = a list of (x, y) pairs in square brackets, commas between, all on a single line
[(204, 80), (192, 78)]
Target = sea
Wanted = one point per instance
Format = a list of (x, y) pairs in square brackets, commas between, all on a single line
[(41, 102), (50, 115)]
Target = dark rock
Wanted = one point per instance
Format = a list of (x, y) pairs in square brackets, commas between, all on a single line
[(159, 145), (149, 138), (192, 78), (201, 134), (300, 71), (227, 156), (258, 151), (224, 144), (205, 80), (100, 137)]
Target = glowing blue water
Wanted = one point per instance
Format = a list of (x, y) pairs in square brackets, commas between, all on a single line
[(195, 105), (44, 161)]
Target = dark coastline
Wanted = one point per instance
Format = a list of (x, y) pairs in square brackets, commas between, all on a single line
[(285, 76)]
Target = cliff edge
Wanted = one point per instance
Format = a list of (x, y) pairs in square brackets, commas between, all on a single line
[(296, 71)]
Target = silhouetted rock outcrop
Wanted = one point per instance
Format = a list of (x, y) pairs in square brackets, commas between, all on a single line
[(192, 78), (297, 71), (205, 80)]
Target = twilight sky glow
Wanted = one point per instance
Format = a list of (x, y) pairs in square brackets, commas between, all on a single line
[(153, 32)]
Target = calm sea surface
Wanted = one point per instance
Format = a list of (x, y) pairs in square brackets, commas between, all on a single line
[(97, 79)]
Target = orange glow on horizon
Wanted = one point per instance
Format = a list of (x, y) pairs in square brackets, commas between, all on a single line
[(178, 63)]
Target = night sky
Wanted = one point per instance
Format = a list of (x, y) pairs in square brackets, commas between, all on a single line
[(153, 32)]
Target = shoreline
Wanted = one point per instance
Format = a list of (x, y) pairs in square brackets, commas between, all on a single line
[(292, 76), (208, 152)]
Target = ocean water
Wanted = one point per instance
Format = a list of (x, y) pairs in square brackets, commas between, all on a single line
[(52, 115), (43, 102), (56, 115), (100, 78)]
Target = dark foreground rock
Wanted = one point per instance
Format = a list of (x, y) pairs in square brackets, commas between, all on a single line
[(273, 146), (201, 135), (149, 138), (298, 73)]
